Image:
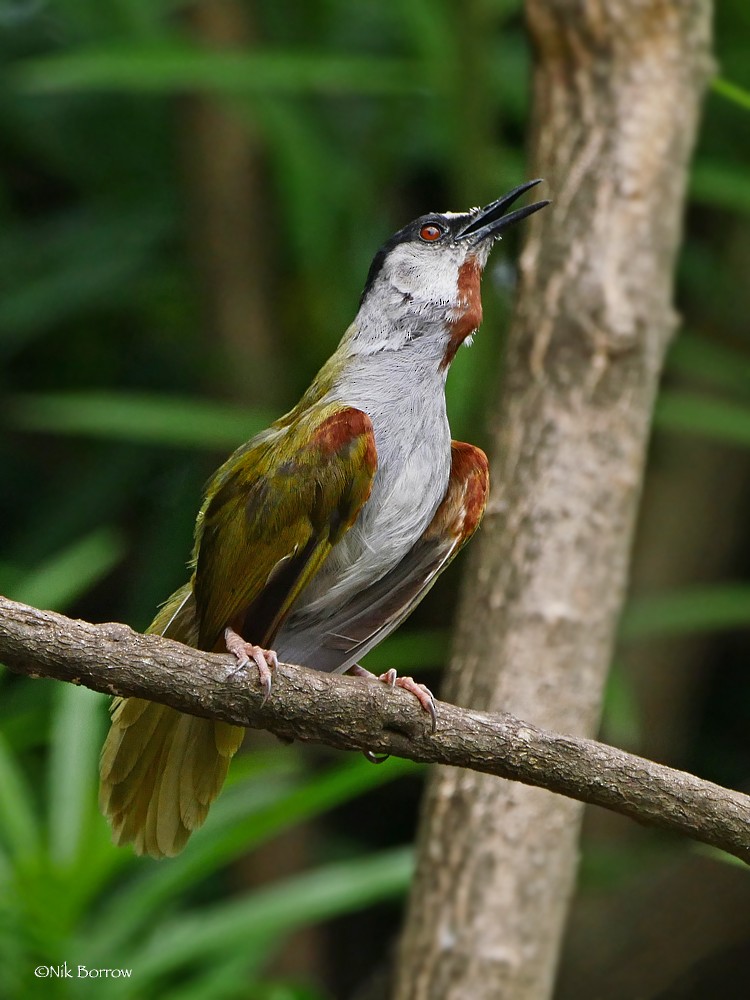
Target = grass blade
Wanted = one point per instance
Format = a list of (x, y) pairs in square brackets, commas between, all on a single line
[(65, 576), (160, 420), (687, 612), (733, 93), (19, 829), (690, 412), (76, 735), (268, 913), (169, 68), (212, 849)]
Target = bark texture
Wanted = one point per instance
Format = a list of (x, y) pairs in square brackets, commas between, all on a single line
[(355, 714), (617, 90)]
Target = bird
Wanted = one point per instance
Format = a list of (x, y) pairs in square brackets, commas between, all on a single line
[(320, 535)]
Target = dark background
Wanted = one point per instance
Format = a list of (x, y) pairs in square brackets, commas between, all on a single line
[(190, 195)]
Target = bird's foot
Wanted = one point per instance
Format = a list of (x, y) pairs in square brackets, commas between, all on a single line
[(265, 660), (420, 691)]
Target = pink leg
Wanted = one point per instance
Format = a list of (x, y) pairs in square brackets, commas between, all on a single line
[(265, 660)]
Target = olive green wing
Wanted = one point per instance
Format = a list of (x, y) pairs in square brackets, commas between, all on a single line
[(272, 515)]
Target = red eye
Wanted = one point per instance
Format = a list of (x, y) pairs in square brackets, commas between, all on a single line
[(430, 233)]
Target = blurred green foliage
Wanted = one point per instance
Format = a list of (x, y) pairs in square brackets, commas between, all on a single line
[(121, 394)]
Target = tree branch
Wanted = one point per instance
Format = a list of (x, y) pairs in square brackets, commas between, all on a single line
[(349, 714)]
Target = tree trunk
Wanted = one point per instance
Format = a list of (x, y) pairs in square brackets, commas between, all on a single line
[(229, 222), (617, 90)]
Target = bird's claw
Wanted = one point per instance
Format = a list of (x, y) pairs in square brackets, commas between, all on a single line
[(265, 660), (421, 692)]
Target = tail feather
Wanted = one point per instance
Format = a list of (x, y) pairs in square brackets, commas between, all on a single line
[(171, 832), (160, 774), (127, 711), (227, 739), (194, 774), (122, 754), (200, 780), (160, 769)]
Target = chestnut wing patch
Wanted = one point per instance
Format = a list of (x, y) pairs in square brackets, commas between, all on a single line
[(272, 516)]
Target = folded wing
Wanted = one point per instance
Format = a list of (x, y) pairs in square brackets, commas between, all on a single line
[(375, 612), (272, 514)]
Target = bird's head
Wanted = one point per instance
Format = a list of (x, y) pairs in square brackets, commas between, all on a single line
[(424, 282)]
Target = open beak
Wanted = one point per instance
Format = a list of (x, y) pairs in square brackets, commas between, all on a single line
[(491, 221)]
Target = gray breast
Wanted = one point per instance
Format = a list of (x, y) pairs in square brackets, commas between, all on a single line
[(412, 438)]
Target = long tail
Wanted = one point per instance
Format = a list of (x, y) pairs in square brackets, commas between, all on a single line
[(160, 770)]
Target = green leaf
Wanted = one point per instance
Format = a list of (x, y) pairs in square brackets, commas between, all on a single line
[(621, 723), (733, 93), (268, 913), (312, 178), (410, 649), (218, 843), (57, 269), (76, 737), (687, 612), (716, 854), (173, 67), (720, 183), (68, 574), (19, 830), (160, 420), (696, 355), (219, 980), (716, 419)]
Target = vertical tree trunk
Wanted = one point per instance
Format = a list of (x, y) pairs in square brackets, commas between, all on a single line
[(229, 225), (617, 90)]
